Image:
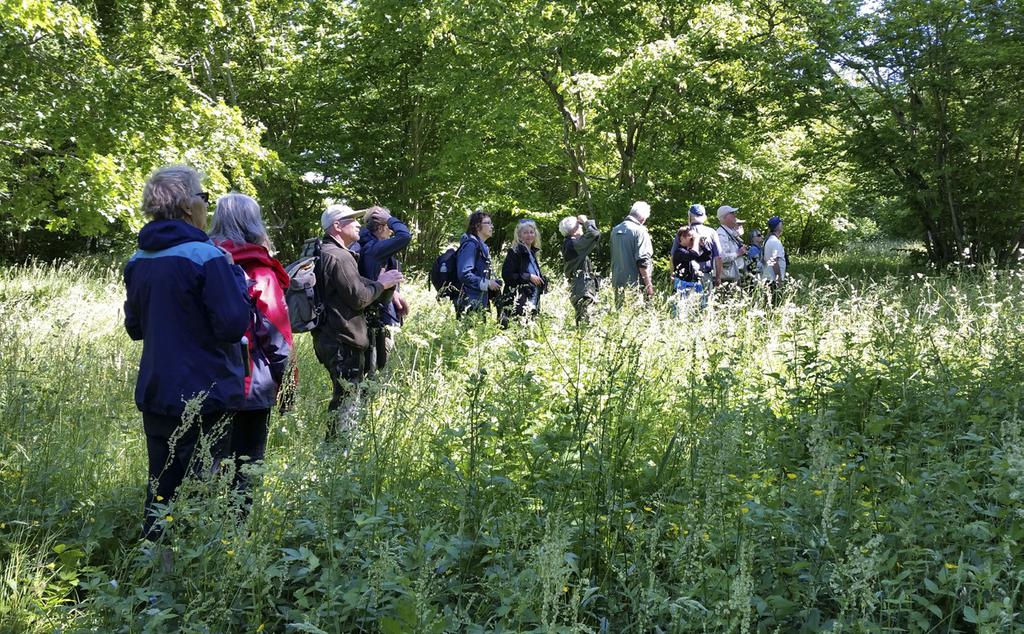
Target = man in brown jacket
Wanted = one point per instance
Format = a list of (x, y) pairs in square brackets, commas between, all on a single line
[(341, 338)]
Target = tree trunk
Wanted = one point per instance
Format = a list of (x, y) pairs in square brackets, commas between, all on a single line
[(573, 126), (627, 141)]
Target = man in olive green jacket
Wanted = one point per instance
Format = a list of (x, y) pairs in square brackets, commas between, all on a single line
[(341, 339)]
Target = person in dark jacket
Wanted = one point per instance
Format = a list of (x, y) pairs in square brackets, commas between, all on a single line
[(380, 239), (341, 338), (523, 280), (581, 237), (473, 266), (238, 229), (687, 261), (189, 305)]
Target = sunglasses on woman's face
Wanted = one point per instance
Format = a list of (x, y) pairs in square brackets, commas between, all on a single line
[(205, 196)]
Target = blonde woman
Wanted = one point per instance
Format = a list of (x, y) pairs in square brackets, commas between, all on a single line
[(524, 281)]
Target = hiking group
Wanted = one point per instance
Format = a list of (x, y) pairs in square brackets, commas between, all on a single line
[(216, 312)]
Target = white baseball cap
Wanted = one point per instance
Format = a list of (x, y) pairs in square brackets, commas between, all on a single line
[(337, 212), (725, 210)]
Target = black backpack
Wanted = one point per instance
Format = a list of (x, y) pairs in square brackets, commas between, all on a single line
[(303, 297), (444, 275)]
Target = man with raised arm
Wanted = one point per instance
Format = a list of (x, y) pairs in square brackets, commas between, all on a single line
[(581, 236), (707, 240)]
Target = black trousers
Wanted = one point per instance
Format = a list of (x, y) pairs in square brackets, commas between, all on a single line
[(173, 455), (346, 365), (382, 342), (248, 445), (582, 305)]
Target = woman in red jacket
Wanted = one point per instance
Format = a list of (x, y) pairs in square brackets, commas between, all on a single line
[(238, 229)]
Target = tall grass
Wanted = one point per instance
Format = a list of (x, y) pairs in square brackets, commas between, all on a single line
[(849, 461)]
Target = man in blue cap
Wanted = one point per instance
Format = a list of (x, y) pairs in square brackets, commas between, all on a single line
[(707, 240)]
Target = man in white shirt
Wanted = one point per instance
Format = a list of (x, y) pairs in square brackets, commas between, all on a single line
[(733, 251), (774, 269)]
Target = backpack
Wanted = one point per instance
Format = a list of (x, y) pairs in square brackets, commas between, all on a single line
[(305, 303), (705, 241), (444, 275)]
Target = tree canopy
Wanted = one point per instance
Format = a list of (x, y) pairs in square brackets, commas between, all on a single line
[(840, 116)]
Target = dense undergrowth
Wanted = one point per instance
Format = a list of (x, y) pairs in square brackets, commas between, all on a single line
[(850, 461)]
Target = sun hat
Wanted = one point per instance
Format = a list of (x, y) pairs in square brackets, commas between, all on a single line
[(725, 210)]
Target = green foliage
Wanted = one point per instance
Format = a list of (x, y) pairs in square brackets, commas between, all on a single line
[(826, 113), (89, 111), (849, 461), (933, 114)]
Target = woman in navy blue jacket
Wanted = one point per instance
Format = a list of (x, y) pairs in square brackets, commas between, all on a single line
[(473, 264), (380, 240), (524, 281), (189, 305)]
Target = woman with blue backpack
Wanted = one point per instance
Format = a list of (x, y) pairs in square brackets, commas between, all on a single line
[(473, 266)]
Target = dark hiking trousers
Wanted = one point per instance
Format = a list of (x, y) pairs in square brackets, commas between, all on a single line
[(173, 455), (346, 365), (382, 342), (248, 446)]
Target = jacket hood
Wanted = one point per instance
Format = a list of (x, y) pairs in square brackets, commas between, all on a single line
[(164, 234), (248, 255)]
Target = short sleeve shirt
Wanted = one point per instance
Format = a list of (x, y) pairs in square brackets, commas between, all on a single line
[(774, 253)]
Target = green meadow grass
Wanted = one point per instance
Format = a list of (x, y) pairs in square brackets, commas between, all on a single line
[(849, 461)]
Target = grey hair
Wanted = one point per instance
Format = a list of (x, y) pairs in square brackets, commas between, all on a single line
[(168, 190), (238, 219), (640, 211), (333, 213), (568, 225)]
